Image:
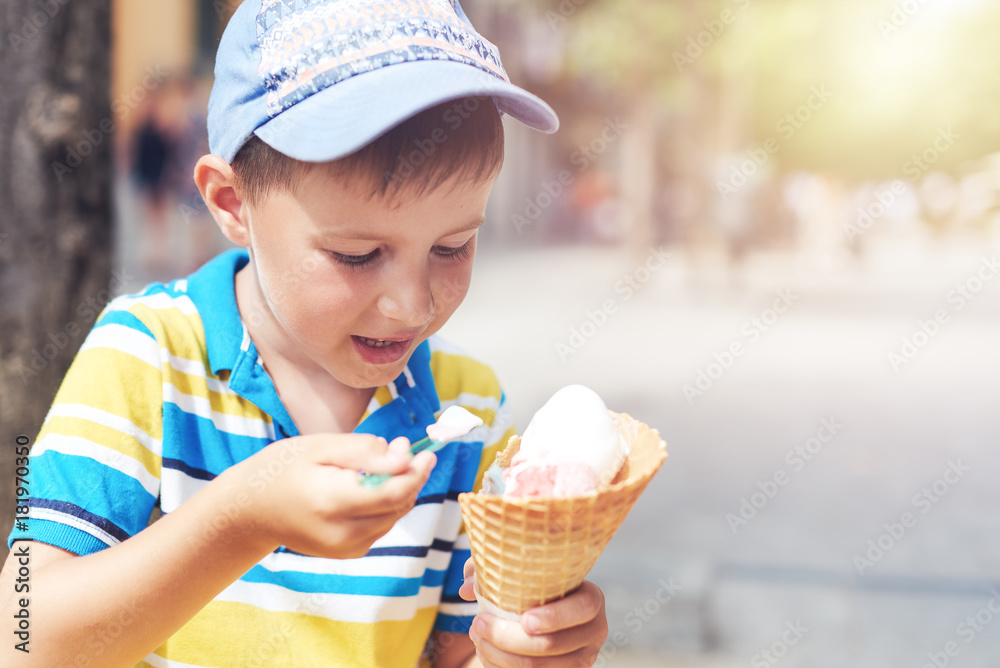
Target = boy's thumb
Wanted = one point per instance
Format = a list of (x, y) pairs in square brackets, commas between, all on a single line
[(363, 452)]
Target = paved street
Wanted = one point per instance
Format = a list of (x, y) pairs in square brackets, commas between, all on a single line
[(791, 454)]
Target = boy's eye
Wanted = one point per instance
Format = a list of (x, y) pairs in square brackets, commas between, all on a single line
[(457, 253), (356, 261)]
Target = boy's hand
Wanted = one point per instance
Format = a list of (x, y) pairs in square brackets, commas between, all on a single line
[(567, 632), (303, 492)]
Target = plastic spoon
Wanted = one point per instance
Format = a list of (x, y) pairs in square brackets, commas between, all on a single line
[(454, 423)]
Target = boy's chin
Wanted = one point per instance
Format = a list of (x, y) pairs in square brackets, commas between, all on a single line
[(368, 376)]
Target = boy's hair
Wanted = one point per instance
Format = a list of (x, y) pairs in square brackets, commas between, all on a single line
[(461, 138)]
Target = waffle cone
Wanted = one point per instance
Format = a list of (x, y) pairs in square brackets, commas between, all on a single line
[(529, 550)]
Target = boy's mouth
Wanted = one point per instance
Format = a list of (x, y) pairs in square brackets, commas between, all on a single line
[(381, 351)]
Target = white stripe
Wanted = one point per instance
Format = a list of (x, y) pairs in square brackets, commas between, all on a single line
[(82, 447), (73, 521), (181, 285), (477, 401), (232, 424), (409, 377), (462, 542), (437, 344), (416, 525), (460, 609), (197, 368), (124, 339), (392, 389), (396, 566), (106, 419), (160, 662), (176, 487), (357, 608), (160, 301)]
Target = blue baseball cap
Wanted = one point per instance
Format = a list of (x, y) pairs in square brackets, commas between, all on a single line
[(319, 79)]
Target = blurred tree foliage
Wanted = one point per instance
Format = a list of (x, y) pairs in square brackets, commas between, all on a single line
[(895, 78)]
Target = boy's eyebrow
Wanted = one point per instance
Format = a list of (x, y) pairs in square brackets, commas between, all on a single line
[(362, 236)]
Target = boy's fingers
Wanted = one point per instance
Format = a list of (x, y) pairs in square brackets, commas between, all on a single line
[(401, 445), (580, 607), (363, 452), (398, 494)]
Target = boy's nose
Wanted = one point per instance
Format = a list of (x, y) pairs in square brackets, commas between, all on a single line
[(409, 301)]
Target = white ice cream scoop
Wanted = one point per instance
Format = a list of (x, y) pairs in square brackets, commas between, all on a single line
[(571, 447)]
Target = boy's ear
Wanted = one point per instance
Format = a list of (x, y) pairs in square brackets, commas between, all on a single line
[(217, 183)]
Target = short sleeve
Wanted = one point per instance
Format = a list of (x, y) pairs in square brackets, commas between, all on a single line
[(94, 470), (455, 614)]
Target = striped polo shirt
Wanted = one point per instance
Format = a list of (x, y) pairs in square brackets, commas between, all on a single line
[(167, 392)]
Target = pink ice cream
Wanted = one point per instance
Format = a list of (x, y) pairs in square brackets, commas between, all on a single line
[(570, 448)]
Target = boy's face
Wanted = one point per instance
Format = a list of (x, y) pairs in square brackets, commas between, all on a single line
[(356, 284)]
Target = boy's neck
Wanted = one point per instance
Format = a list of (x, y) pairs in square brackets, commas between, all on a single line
[(316, 401)]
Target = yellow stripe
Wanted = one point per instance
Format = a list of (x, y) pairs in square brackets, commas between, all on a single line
[(382, 395), (116, 382), (227, 634), (230, 404), (458, 374), (106, 436), (183, 335)]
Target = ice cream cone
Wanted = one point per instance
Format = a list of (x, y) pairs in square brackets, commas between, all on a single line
[(529, 550)]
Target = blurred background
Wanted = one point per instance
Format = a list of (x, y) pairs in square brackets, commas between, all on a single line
[(768, 228)]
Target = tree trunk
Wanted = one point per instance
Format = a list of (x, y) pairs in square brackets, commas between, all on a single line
[(55, 205)]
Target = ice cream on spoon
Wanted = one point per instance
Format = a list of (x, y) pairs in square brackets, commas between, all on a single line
[(453, 424)]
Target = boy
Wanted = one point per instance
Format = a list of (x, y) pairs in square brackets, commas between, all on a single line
[(354, 145)]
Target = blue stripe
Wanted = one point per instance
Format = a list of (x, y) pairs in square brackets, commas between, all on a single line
[(124, 318), (178, 465), (430, 498), (433, 578), (325, 583), (453, 623), (195, 441), (101, 523), (398, 551), (113, 501), (55, 533), (456, 572), (442, 545)]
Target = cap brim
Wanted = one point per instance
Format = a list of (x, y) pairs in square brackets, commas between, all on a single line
[(341, 119)]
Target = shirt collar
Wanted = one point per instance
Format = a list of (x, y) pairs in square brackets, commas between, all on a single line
[(229, 347), (213, 291)]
